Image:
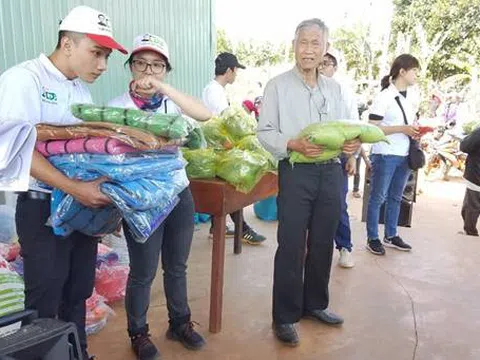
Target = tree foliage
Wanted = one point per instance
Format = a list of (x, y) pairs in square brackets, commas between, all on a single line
[(360, 53), (444, 34), (223, 42), (254, 53)]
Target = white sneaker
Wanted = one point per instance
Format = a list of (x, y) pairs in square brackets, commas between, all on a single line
[(346, 259)]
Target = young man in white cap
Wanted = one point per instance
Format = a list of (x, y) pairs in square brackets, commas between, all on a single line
[(149, 64), (59, 272), (215, 99)]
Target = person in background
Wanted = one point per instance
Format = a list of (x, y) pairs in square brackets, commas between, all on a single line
[(215, 99), (390, 171), (59, 272), (257, 102), (309, 197), (434, 105), (450, 114), (363, 156), (149, 64), (343, 236), (471, 201)]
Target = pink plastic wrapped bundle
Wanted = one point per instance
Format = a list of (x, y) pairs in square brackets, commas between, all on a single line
[(9, 251), (97, 313), (95, 145), (136, 138), (111, 281)]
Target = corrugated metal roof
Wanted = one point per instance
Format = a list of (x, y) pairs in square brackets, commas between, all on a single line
[(29, 27)]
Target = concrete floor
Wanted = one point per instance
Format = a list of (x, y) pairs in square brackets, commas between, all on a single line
[(421, 305)]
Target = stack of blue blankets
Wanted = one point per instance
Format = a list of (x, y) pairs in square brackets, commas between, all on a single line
[(143, 187)]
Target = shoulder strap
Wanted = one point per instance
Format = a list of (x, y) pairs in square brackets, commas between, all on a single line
[(397, 99)]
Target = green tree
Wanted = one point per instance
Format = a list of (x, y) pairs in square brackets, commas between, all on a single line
[(254, 53), (444, 34), (223, 42), (361, 54)]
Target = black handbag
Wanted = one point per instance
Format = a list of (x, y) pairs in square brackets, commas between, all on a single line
[(416, 157)]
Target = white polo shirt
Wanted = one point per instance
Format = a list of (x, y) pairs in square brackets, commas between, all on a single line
[(386, 106), (214, 97), (36, 91), (125, 101)]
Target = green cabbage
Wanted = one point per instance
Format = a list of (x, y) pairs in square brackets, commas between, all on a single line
[(201, 163), (242, 168)]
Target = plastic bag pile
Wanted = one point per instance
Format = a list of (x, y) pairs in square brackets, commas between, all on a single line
[(234, 152), (110, 285), (137, 152)]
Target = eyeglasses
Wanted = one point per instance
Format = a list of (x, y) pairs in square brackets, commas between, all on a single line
[(327, 64), (141, 65)]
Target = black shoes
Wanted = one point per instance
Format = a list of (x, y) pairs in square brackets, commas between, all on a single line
[(185, 333), (286, 333), (324, 316), (375, 247), (396, 242), (143, 347)]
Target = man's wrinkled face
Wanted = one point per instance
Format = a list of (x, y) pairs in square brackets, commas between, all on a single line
[(310, 46)]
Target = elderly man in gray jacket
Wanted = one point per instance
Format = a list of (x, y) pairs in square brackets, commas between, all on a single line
[(309, 198)]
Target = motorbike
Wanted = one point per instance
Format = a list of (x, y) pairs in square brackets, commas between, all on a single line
[(443, 153)]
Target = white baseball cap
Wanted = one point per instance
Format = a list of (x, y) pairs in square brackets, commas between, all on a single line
[(93, 23), (334, 53), (151, 42)]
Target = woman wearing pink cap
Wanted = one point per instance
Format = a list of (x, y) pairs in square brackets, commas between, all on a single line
[(149, 63)]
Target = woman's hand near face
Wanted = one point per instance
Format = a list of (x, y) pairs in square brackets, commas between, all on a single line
[(147, 86)]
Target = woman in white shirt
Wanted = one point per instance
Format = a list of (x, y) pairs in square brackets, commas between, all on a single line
[(149, 63), (390, 170)]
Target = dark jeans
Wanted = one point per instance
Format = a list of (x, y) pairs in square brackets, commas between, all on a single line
[(59, 272), (309, 205), (173, 240), (356, 177), (471, 211), (343, 236)]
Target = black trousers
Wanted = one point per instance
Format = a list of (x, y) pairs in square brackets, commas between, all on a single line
[(309, 206), (171, 243), (471, 211), (59, 273)]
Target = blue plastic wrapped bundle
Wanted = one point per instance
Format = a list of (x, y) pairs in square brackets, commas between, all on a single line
[(142, 224), (68, 215), (139, 195), (124, 167), (143, 202), (146, 194)]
